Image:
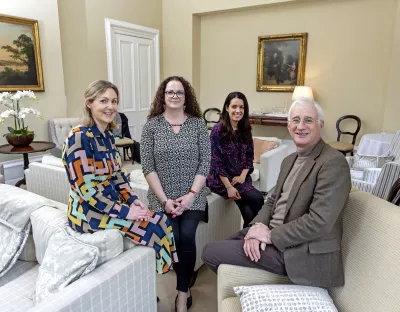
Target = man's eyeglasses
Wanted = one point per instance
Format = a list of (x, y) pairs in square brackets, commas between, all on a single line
[(171, 94), (306, 121)]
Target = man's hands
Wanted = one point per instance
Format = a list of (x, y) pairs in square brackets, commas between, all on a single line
[(138, 211), (258, 236), (261, 232)]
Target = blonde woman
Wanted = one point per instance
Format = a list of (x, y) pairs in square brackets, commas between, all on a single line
[(100, 196)]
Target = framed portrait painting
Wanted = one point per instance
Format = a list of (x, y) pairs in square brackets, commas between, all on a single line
[(281, 62), (20, 61)]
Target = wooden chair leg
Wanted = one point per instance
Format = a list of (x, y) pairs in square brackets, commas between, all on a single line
[(132, 154)]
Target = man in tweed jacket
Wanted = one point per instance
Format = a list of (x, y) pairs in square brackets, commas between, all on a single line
[(298, 232)]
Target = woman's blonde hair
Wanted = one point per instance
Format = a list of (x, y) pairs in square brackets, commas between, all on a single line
[(95, 89)]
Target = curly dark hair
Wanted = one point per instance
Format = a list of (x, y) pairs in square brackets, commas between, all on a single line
[(192, 107), (244, 127)]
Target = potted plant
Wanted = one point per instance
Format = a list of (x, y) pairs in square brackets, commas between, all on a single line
[(19, 135)]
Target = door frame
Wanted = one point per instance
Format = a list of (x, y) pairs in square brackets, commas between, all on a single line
[(113, 26)]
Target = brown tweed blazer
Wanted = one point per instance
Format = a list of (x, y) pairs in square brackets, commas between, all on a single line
[(312, 230)]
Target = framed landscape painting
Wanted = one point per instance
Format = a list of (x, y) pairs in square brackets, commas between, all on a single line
[(20, 61), (281, 62)]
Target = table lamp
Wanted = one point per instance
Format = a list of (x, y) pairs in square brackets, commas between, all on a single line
[(302, 92)]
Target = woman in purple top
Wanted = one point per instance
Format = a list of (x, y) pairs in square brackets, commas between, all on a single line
[(232, 154)]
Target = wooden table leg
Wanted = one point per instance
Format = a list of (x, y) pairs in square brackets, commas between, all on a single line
[(26, 166)]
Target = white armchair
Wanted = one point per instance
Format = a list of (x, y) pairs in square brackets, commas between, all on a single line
[(378, 181), (269, 166)]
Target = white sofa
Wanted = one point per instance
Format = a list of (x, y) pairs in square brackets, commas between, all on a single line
[(269, 166), (224, 217), (126, 282), (371, 252)]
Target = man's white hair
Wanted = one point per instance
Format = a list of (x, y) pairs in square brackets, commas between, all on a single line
[(310, 101)]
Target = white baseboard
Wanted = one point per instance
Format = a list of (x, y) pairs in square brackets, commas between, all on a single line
[(14, 169)]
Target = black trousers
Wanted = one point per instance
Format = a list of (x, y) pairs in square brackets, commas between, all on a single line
[(250, 204), (185, 242)]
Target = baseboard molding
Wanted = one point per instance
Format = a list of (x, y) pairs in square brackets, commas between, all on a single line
[(14, 169)]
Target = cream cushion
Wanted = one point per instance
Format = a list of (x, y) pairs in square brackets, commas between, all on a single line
[(261, 147), (123, 141), (109, 242), (45, 222), (28, 252)]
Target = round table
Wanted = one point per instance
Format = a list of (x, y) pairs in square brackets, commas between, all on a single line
[(375, 144), (34, 147)]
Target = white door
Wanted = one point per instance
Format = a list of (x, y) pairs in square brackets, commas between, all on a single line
[(134, 69)]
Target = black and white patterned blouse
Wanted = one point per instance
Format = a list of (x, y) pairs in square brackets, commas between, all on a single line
[(176, 158)]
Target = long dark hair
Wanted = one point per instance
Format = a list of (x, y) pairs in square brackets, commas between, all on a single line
[(244, 127), (192, 107)]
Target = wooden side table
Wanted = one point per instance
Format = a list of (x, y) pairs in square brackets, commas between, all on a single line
[(265, 120), (34, 147)]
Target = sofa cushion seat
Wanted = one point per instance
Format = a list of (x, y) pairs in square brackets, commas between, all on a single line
[(19, 268), (231, 304), (15, 296)]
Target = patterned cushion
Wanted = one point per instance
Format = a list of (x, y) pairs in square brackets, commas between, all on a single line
[(292, 298), (65, 261), (45, 222), (109, 242)]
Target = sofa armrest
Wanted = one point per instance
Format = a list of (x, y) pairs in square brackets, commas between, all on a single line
[(230, 276), (270, 164), (371, 175), (363, 185), (48, 181), (125, 283)]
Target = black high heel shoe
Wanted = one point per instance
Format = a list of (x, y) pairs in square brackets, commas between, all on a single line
[(189, 301)]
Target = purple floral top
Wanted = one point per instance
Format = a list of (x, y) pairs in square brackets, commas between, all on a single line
[(228, 159)]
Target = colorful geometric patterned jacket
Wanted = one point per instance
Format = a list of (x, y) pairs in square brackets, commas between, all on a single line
[(99, 189)]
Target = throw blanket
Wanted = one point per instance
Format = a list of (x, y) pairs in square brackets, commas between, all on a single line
[(16, 206)]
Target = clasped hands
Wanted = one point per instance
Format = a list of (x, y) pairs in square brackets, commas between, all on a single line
[(232, 191), (138, 211), (180, 205), (258, 237)]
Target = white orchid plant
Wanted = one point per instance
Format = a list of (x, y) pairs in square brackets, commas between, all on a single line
[(11, 102)]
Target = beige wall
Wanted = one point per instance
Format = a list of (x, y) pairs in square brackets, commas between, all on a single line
[(51, 102), (83, 39), (348, 58), (391, 120)]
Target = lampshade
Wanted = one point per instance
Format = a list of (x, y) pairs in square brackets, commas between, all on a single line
[(302, 92)]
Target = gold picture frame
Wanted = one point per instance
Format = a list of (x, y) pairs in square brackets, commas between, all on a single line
[(20, 60), (281, 62)]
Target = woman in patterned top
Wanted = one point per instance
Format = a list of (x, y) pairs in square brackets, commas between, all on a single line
[(175, 154), (232, 155), (100, 197)]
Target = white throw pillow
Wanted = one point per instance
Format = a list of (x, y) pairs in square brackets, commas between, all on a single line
[(45, 222), (109, 242), (52, 160), (292, 298), (66, 260)]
